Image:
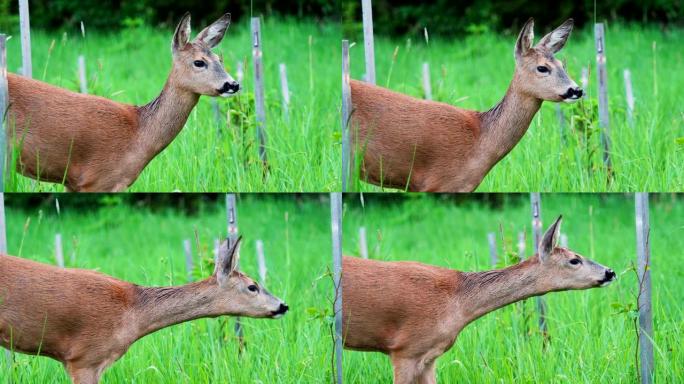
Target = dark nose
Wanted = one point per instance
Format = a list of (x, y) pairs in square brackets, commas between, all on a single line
[(578, 92), (230, 87), (610, 275), (283, 308)]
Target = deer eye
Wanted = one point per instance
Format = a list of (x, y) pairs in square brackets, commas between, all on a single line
[(199, 63), (575, 261), (543, 69), (253, 288)]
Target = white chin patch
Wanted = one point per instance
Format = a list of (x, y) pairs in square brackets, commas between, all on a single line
[(226, 94), (278, 316), (571, 100), (605, 283)]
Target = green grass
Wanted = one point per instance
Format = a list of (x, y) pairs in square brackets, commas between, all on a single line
[(132, 67), (474, 72), (590, 341), (144, 246)]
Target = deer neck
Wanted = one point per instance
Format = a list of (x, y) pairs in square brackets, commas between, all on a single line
[(159, 307), (505, 124), (162, 119), (484, 292)]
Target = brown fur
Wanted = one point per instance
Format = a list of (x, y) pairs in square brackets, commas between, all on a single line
[(90, 143), (429, 146), (88, 320), (414, 312)]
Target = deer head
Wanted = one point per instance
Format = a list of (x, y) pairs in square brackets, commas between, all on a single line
[(195, 67), (563, 269), (537, 72), (238, 294)]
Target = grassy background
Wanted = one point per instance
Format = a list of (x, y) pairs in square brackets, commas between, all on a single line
[(474, 72), (591, 341), (132, 67), (145, 246)]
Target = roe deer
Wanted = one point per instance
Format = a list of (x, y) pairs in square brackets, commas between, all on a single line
[(88, 320), (413, 312), (90, 143), (430, 146)]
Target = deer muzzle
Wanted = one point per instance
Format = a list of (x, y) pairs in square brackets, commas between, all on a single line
[(572, 94), (229, 88), (282, 309), (608, 278)]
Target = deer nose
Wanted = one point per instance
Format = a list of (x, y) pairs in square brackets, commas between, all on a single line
[(230, 87), (283, 308), (610, 275), (574, 93)]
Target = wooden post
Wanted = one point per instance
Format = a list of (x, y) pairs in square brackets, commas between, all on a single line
[(4, 100), (604, 120), (629, 96), (285, 90), (3, 234), (521, 257), (59, 252), (561, 122), (25, 30), (82, 79), (368, 45), (231, 216), (347, 161), (537, 231), (261, 260), (644, 296), (363, 243), (584, 80), (216, 111), (491, 238), (336, 224), (239, 72), (427, 87), (259, 91), (217, 246), (187, 249)]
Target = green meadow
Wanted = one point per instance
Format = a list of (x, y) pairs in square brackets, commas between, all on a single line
[(474, 72), (144, 245), (210, 154), (592, 332)]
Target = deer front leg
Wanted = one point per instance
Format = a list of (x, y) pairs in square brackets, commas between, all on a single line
[(427, 376), (83, 375), (405, 370)]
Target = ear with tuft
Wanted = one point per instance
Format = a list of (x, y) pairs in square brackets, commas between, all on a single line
[(227, 260), (525, 39), (550, 240), (182, 34), (213, 34), (555, 40)]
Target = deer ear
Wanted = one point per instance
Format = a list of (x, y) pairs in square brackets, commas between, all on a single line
[(525, 39), (213, 34), (182, 34), (550, 240), (555, 40), (227, 260)]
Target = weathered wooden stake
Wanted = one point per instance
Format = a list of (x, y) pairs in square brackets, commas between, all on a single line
[(537, 231), (584, 80), (25, 30), (629, 96), (522, 256), (368, 45), (427, 87), (239, 72), (59, 251), (347, 161), (4, 99), (491, 238), (259, 91), (231, 216), (217, 245), (82, 79), (602, 77), (363, 243), (3, 234), (261, 260), (187, 249), (216, 111), (285, 91), (336, 224), (644, 298)]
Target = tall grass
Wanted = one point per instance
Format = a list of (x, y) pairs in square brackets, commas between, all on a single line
[(474, 72), (132, 66), (144, 246), (592, 332)]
